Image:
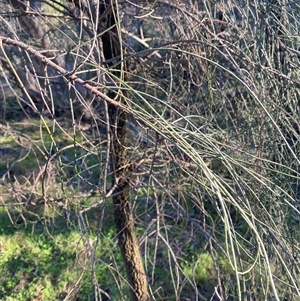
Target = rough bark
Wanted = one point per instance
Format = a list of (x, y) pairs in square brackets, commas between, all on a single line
[(127, 239)]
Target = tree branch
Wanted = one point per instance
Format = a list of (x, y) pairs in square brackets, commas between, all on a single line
[(91, 86)]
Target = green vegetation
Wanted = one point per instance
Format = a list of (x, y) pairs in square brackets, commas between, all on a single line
[(43, 254), (34, 267), (211, 93), (49, 262)]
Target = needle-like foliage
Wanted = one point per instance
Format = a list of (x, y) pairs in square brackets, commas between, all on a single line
[(211, 95)]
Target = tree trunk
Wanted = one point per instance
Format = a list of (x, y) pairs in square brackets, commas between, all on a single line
[(127, 240)]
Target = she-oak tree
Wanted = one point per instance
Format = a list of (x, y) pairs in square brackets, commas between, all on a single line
[(216, 181)]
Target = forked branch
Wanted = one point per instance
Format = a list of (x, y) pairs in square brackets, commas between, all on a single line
[(71, 76)]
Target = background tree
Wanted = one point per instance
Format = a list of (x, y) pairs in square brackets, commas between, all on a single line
[(183, 116)]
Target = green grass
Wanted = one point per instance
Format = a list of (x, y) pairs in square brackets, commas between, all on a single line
[(48, 263), (34, 265), (45, 257)]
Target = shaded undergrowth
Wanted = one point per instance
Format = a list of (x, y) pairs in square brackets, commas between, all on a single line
[(58, 237)]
